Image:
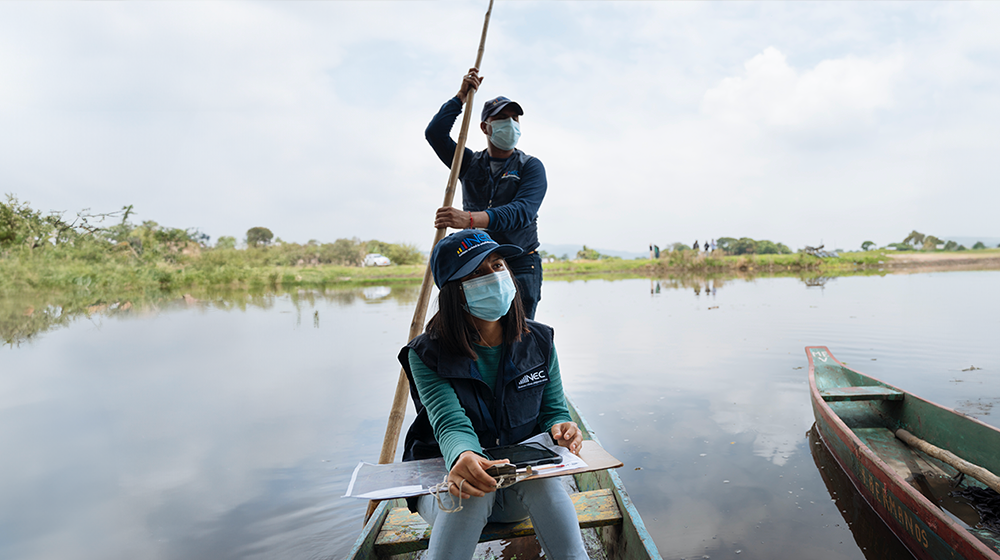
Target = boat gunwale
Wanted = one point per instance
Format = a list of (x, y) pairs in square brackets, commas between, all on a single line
[(902, 491), (608, 479)]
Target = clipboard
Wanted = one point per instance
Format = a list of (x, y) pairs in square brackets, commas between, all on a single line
[(415, 478)]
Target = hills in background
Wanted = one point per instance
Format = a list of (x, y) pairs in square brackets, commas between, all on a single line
[(571, 250)]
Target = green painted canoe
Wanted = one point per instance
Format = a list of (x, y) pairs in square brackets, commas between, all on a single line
[(619, 534), (857, 418)]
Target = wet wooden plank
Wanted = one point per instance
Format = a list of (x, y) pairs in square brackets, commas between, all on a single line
[(861, 393), (407, 532)]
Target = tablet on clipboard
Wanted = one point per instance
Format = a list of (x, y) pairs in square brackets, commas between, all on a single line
[(524, 455)]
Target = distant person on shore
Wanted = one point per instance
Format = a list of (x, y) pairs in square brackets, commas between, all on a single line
[(502, 187), (695, 246), (706, 245), (713, 245)]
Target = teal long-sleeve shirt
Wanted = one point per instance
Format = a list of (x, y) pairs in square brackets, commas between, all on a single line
[(452, 428)]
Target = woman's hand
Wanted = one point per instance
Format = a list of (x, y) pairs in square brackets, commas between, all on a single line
[(471, 468), (568, 436)]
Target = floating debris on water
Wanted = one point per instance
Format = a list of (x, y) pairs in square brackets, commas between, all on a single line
[(972, 368)]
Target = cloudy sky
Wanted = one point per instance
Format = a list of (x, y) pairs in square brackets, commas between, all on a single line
[(799, 122)]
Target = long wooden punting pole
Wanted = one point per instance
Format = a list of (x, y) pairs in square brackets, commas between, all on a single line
[(973, 470), (395, 424)]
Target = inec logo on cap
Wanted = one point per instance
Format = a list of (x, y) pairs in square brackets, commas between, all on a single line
[(473, 241)]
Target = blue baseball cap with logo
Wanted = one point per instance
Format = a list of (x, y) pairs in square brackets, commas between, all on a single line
[(457, 255), (495, 105)]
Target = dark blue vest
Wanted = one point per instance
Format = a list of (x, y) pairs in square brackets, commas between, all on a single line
[(501, 417), (482, 191)]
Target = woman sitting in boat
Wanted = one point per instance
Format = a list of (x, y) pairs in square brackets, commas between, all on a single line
[(483, 376)]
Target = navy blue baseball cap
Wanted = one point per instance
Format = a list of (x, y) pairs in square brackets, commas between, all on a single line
[(457, 255), (494, 106)]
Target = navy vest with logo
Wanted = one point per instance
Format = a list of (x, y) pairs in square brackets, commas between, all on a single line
[(502, 417), (481, 190)]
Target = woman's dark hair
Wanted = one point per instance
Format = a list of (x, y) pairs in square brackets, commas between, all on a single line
[(453, 328)]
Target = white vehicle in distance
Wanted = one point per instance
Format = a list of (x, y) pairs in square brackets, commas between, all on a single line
[(375, 259)]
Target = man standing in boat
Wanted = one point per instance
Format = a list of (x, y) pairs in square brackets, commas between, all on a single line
[(502, 187)]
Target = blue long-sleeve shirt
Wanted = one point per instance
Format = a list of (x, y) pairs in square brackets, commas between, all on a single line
[(510, 194)]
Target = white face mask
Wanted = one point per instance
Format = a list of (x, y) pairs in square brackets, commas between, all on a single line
[(489, 296), (506, 133)]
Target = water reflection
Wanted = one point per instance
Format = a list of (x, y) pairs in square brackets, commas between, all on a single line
[(817, 281), (874, 538), (194, 426), (709, 285), (376, 292), (24, 317), (227, 424)]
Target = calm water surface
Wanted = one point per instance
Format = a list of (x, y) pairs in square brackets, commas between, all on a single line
[(229, 429)]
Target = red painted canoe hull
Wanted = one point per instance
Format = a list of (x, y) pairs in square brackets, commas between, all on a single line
[(922, 526)]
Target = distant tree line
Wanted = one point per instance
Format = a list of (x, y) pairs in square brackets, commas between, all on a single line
[(88, 235), (916, 240), (741, 246), (747, 246)]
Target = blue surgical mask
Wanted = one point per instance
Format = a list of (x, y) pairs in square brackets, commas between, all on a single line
[(489, 297), (506, 133)]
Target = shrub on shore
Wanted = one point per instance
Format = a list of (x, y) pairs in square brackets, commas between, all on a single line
[(48, 250)]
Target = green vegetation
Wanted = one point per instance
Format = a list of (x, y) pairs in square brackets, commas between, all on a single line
[(915, 240), (101, 259), (31, 313), (747, 246), (688, 261), (258, 237), (105, 253), (592, 255)]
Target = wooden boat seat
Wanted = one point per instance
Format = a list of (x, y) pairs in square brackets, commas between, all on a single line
[(407, 532), (861, 393)]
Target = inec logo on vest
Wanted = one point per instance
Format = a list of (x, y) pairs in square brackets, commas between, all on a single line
[(512, 174), (473, 241), (532, 379)]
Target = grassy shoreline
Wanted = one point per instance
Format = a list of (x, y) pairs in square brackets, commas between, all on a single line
[(36, 299), (204, 271)]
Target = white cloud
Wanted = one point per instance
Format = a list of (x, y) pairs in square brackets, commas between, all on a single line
[(771, 93), (656, 121)]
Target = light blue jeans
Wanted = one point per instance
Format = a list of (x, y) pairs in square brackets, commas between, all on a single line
[(454, 535)]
